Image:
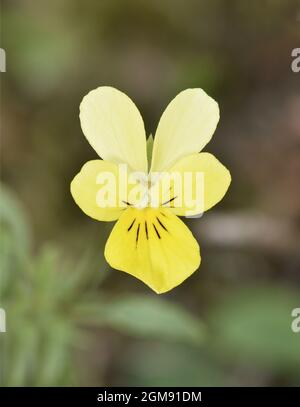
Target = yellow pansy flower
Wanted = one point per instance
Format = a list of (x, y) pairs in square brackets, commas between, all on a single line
[(149, 241)]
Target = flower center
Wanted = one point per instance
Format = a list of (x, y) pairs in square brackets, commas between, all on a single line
[(144, 202)]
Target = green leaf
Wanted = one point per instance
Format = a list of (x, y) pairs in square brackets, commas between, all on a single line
[(254, 324), (170, 364), (20, 353), (12, 216), (56, 355), (150, 317), (14, 241), (149, 149)]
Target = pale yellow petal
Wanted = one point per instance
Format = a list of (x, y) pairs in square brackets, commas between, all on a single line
[(154, 246), (185, 127), (114, 127), (89, 188), (203, 182)]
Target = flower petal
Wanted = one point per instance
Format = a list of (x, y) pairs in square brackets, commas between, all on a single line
[(87, 184), (204, 182), (114, 127), (154, 246), (185, 127)]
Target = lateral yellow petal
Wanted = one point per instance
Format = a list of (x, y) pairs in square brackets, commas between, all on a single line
[(185, 127), (89, 188), (114, 127), (204, 182), (154, 246)]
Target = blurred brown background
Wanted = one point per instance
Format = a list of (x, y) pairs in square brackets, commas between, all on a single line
[(70, 319)]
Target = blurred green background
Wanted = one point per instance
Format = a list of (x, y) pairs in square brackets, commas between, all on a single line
[(70, 319)]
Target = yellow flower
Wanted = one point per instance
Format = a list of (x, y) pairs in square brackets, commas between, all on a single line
[(149, 241)]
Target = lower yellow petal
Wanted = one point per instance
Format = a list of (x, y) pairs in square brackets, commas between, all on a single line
[(154, 246)]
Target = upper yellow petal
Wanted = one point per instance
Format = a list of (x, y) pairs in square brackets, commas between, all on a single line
[(154, 246), (185, 127), (114, 127)]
